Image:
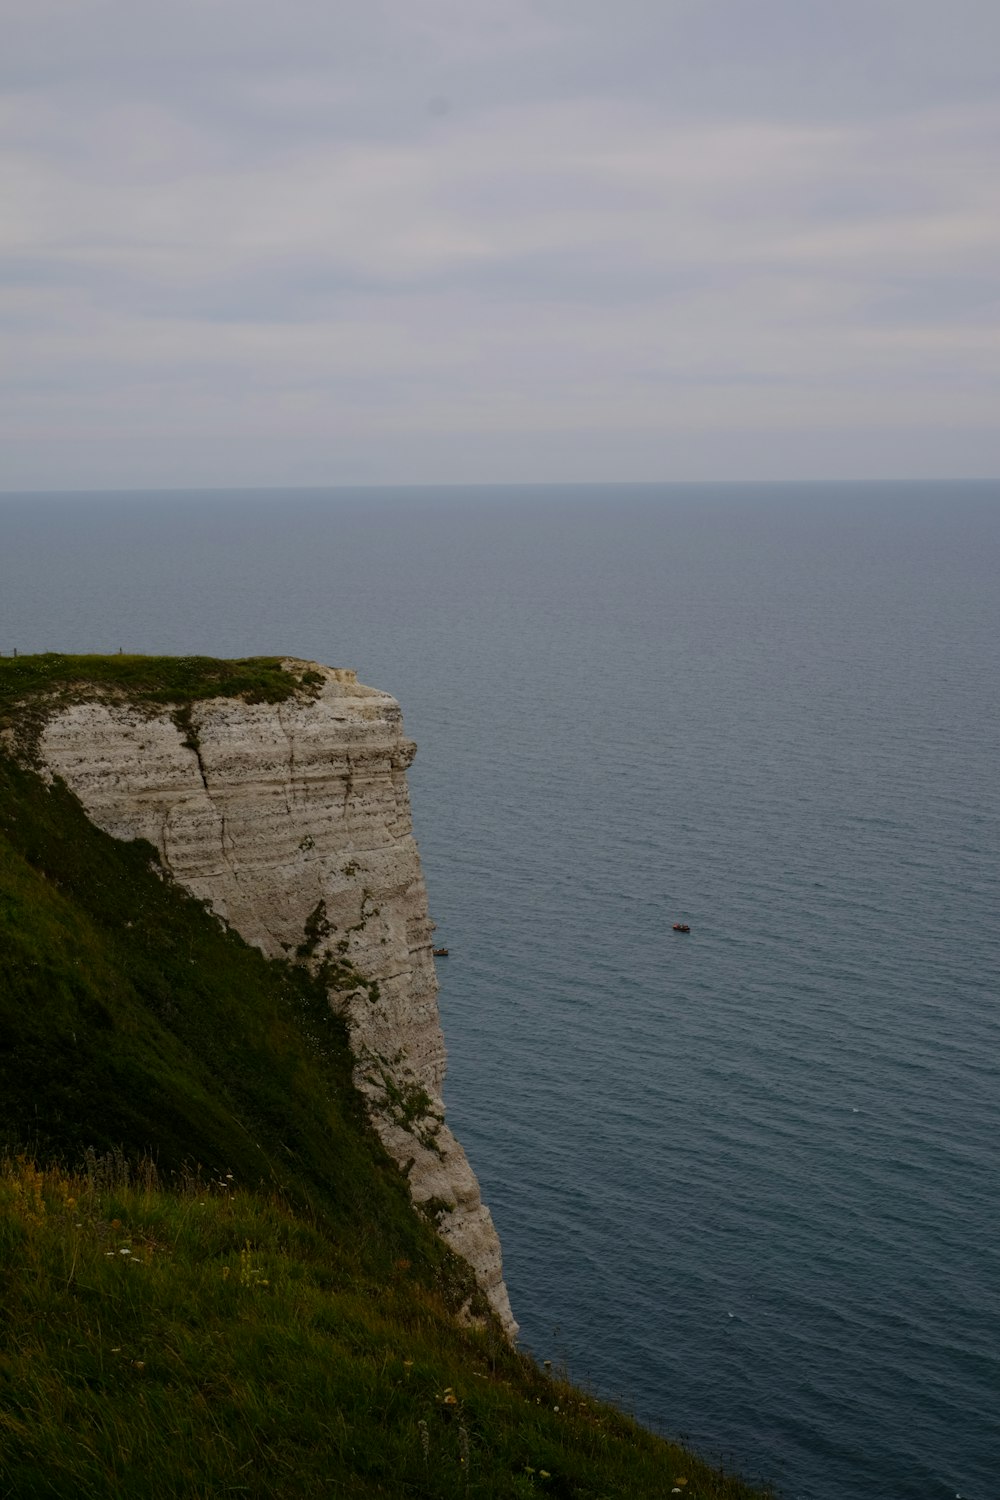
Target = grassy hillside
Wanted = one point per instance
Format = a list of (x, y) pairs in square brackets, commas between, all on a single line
[(212, 1280)]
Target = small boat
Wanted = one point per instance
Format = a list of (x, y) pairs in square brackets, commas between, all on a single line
[(440, 952), (681, 927)]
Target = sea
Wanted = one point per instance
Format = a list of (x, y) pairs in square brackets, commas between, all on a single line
[(747, 1178)]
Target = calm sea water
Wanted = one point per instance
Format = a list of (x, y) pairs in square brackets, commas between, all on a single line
[(746, 1180)]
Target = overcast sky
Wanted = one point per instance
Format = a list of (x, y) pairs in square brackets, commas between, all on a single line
[(281, 242)]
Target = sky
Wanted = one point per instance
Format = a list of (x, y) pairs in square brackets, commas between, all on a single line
[(321, 242)]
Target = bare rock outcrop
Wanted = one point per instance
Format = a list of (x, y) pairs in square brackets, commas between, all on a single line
[(293, 820)]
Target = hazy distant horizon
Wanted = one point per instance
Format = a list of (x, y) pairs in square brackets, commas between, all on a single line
[(491, 487)]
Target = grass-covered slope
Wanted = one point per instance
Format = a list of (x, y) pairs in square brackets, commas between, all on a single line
[(130, 1018), (255, 1308), (205, 1342)]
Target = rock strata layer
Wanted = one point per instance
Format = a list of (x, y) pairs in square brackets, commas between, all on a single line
[(292, 820)]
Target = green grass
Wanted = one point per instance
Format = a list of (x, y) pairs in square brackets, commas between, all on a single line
[(208, 1341), (283, 1324), (148, 679)]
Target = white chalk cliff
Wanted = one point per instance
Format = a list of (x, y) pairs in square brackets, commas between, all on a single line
[(293, 820)]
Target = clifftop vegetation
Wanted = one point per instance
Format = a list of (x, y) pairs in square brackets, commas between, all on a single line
[(149, 679), (213, 1280)]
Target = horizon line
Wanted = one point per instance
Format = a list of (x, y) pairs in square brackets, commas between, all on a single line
[(479, 484)]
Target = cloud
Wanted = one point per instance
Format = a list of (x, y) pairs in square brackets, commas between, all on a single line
[(350, 226)]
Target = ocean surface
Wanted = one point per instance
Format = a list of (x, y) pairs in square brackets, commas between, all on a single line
[(747, 1180)]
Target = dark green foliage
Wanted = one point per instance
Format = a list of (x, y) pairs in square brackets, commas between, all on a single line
[(151, 679), (317, 927)]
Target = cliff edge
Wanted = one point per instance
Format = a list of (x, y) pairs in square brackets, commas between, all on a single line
[(292, 819)]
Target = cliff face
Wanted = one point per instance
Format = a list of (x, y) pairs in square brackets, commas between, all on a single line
[(293, 820)]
